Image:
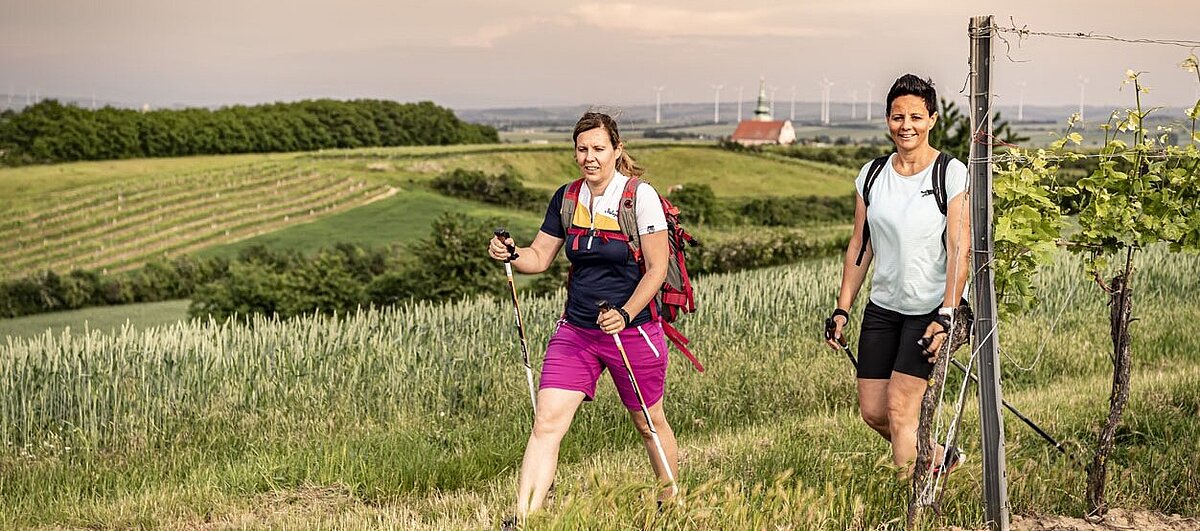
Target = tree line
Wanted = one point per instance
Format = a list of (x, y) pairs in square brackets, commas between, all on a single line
[(50, 132)]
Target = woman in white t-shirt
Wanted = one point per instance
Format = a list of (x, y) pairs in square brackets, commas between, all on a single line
[(921, 267)]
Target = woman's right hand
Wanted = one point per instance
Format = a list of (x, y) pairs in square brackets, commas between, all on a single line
[(833, 334), (498, 249)]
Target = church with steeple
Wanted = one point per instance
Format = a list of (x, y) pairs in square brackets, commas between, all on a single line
[(762, 128)]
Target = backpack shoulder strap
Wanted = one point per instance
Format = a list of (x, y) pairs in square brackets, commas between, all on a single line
[(939, 180), (872, 174), (570, 198), (627, 215)]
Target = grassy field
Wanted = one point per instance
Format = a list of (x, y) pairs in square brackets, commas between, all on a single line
[(117, 215), (107, 319), (416, 418), (550, 166), (401, 219)]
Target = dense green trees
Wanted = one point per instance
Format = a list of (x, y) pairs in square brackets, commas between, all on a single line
[(51, 132)]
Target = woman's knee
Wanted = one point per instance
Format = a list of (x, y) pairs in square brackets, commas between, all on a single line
[(554, 415), (874, 415), (656, 416)]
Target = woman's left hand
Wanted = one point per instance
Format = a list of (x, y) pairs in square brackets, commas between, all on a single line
[(611, 322), (937, 335)]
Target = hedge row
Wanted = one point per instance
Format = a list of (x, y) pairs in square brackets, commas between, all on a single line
[(505, 189), (449, 264), (50, 132), (698, 205)]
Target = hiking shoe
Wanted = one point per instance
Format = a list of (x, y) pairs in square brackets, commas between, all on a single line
[(953, 459)]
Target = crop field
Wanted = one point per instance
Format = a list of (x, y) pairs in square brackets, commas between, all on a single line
[(119, 225), (416, 417), (117, 215)]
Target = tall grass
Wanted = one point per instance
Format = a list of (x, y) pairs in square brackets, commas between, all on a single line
[(417, 416)]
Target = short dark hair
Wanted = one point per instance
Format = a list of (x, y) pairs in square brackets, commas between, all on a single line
[(910, 85)]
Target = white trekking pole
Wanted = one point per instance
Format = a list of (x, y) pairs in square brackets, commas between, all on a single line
[(512, 255), (662, 455)]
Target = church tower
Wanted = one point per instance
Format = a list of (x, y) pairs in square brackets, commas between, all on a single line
[(762, 113)]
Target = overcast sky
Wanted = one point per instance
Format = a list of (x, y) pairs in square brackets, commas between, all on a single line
[(489, 53)]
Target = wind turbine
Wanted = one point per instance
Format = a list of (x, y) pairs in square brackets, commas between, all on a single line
[(870, 87), (740, 104), (1021, 103), (826, 85), (773, 89), (854, 106), (717, 103), (1083, 81), (793, 115), (658, 103)]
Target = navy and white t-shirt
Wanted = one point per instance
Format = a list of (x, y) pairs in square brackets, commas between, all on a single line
[(604, 269)]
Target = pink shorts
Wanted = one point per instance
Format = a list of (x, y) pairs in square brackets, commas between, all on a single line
[(577, 356)]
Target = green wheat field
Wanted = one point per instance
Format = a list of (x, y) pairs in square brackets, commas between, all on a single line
[(416, 417)]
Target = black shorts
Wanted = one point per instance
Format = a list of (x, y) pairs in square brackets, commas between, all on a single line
[(888, 342)]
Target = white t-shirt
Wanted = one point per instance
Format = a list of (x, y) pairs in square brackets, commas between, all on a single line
[(650, 216), (906, 237)]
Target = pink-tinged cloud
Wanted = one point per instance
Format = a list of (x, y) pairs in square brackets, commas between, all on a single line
[(669, 22)]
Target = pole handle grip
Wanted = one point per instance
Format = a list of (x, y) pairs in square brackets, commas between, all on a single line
[(503, 234)]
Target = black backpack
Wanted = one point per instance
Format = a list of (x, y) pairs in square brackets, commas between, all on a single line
[(939, 193)]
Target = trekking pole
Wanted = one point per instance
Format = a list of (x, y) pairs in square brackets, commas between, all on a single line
[(662, 455), (829, 328), (1057, 445), (503, 234)]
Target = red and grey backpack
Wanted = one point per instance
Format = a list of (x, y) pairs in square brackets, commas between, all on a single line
[(939, 193), (675, 296)]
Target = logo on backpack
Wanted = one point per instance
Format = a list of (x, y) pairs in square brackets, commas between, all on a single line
[(675, 297)]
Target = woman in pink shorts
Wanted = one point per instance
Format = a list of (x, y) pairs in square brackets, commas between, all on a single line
[(602, 269)]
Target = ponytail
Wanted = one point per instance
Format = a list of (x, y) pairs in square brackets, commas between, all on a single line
[(629, 167)]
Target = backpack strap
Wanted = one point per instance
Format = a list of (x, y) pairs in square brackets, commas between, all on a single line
[(872, 174), (567, 212), (939, 190), (627, 217), (570, 199), (680, 343), (939, 180)]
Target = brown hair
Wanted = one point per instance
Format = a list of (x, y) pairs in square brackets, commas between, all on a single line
[(592, 120)]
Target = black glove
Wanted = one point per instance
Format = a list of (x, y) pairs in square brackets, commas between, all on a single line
[(831, 326)]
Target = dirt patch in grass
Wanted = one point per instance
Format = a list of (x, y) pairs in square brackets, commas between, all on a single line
[(313, 506), (1117, 520)]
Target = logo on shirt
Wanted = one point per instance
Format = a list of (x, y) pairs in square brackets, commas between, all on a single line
[(926, 193)]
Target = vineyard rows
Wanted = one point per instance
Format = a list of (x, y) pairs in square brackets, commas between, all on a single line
[(119, 226)]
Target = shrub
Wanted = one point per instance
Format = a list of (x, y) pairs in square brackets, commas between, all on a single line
[(698, 205), (504, 189)]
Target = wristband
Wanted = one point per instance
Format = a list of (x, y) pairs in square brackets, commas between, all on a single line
[(841, 312), (624, 315), (944, 321), (947, 311)]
